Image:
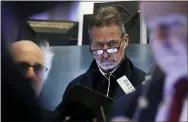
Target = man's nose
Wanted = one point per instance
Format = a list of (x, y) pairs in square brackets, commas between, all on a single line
[(105, 54), (31, 74)]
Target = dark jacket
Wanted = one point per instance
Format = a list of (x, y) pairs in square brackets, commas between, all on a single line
[(127, 105), (93, 79)]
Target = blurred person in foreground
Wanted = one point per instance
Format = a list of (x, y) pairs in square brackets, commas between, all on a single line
[(166, 96), (34, 63), (18, 101), (108, 41)]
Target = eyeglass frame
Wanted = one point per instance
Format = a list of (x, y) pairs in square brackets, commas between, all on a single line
[(105, 50), (45, 69)]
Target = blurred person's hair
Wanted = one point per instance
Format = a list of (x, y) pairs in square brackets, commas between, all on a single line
[(48, 57), (172, 14), (163, 8), (106, 16)]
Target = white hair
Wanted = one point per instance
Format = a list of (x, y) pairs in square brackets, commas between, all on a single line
[(48, 57)]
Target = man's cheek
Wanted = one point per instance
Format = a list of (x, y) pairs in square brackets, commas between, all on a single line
[(39, 82), (98, 57), (116, 56)]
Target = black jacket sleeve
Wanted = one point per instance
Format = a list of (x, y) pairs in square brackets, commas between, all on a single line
[(126, 105)]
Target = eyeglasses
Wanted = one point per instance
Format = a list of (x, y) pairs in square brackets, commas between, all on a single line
[(109, 50), (23, 68)]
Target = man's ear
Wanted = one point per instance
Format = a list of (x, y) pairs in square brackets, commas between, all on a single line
[(126, 39), (91, 47)]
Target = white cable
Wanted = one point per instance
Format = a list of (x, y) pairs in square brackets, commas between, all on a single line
[(108, 87), (104, 74), (116, 67), (109, 84)]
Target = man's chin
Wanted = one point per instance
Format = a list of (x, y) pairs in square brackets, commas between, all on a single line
[(107, 69), (108, 66)]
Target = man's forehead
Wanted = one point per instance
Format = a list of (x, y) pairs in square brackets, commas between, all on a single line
[(105, 32), (25, 46), (21, 44), (26, 50)]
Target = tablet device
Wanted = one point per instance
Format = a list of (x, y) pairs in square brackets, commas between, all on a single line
[(81, 98)]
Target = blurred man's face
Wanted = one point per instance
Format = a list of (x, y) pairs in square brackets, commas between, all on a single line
[(108, 37), (30, 61), (167, 22)]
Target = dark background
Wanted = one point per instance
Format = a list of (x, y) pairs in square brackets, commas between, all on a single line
[(15, 15), (16, 28), (132, 27), (14, 23)]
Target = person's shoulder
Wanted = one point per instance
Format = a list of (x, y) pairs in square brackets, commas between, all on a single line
[(78, 80), (136, 72), (139, 71), (130, 102), (139, 74)]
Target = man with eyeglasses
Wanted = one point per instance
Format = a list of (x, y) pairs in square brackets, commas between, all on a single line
[(111, 66), (34, 63), (31, 62), (108, 42)]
